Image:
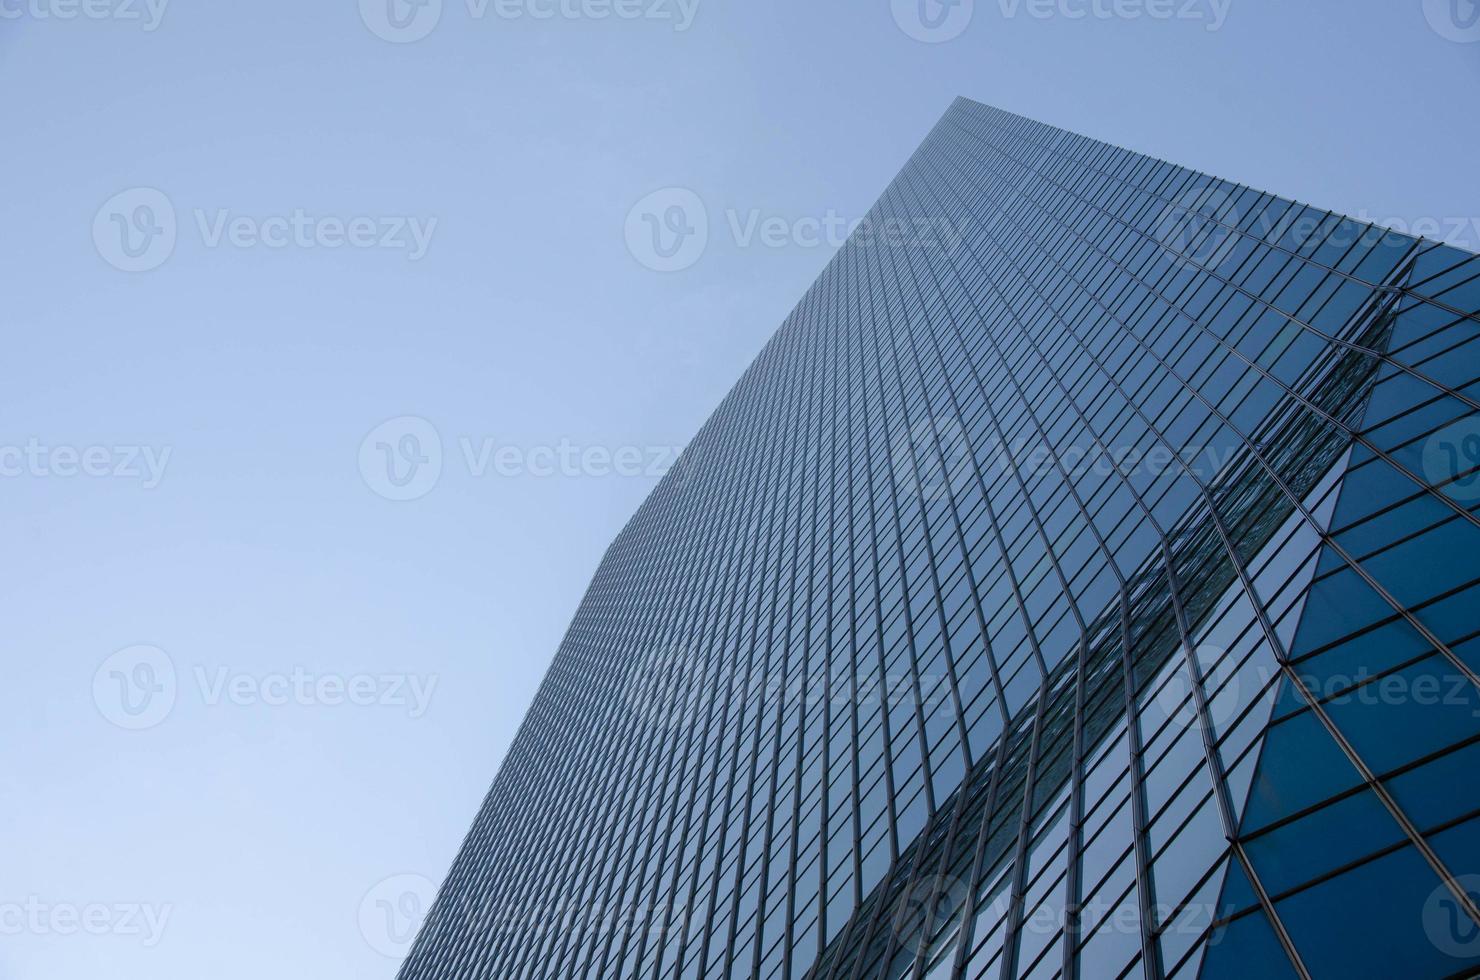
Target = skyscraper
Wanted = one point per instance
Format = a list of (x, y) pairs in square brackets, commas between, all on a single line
[(1084, 581)]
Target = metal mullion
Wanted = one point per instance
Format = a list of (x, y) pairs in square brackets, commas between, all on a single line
[(781, 705), (1065, 590), (1199, 693), (824, 831), (904, 580), (1073, 885), (739, 599), (866, 331), (610, 841), (1150, 948), (1380, 356), (437, 931), (734, 608), (853, 631), (954, 511), (528, 865), (1273, 246), (948, 846), (656, 749), (860, 945), (678, 850), (1011, 936), (1355, 436), (761, 601), (1215, 772), (876, 580), (1377, 289), (1214, 760), (591, 865), (710, 623), (1013, 925), (968, 907), (825, 390), (532, 865), (1075, 842), (660, 791), (1254, 449), (853, 590), (519, 822), (1369, 778), (887, 756), (962, 792)]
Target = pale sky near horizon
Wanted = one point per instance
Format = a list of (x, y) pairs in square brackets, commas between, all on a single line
[(339, 347)]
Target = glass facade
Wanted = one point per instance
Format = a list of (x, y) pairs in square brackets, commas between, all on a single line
[(1084, 581)]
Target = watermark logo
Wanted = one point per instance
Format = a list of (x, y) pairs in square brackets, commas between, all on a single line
[(940, 465), (136, 687), (148, 13), (401, 21), (924, 909), (1451, 459), (134, 230), (1195, 228), (401, 459), (668, 230), (1447, 924), (933, 21), (1454, 20), (391, 913), (1178, 701), (666, 688)]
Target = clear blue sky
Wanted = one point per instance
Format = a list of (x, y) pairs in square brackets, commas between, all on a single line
[(193, 455)]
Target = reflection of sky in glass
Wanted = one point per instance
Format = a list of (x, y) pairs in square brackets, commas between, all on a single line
[(262, 561)]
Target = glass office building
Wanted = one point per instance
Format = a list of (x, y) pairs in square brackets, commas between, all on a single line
[(1084, 581)]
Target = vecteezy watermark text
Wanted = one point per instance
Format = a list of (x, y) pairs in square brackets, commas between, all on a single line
[(1461, 231), (136, 230), (38, 460), (938, 21), (671, 688), (1212, 13), (37, 917), (402, 459), (398, 907), (405, 21), (669, 230), (1206, 223), (147, 13), (138, 687)]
